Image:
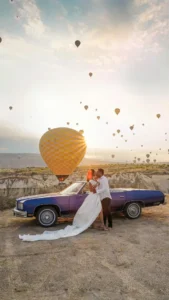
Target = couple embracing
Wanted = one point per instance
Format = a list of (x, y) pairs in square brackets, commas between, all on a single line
[(98, 184), (97, 203)]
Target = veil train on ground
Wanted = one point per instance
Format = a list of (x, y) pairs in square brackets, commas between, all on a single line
[(85, 216)]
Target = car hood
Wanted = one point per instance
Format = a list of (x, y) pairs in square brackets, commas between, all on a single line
[(33, 197)]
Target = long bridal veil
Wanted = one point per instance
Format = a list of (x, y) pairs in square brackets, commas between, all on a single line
[(84, 217)]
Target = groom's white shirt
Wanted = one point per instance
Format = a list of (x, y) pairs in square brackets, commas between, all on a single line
[(103, 188)]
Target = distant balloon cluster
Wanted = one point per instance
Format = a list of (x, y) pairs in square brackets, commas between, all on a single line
[(55, 149)]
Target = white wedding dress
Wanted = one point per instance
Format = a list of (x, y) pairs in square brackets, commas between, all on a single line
[(85, 216)]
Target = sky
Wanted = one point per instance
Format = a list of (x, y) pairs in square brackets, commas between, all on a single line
[(44, 76)]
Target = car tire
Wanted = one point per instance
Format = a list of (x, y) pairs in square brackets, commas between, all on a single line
[(46, 216), (133, 210)]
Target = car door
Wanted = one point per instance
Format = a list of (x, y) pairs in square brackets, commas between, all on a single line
[(72, 203), (79, 200), (118, 199)]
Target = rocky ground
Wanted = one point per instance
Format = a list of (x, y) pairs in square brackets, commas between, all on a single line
[(129, 263)]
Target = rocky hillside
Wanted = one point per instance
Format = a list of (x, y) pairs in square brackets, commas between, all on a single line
[(15, 184)]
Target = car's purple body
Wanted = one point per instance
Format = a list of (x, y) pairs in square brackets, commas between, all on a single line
[(69, 200)]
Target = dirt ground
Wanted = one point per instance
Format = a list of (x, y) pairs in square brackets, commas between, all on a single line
[(129, 263)]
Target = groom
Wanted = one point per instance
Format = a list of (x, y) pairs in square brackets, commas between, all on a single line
[(105, 197)]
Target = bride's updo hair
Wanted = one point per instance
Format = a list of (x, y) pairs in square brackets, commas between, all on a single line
[(90, 174)]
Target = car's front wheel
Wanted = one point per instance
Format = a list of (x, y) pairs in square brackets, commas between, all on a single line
[(46, 216), (133, 210)]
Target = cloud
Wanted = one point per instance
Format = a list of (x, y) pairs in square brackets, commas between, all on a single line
[(114, 34), (13, 140), (31, 18), (110, 32)]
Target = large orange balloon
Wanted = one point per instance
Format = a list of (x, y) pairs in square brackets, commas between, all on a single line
[(62, 149)]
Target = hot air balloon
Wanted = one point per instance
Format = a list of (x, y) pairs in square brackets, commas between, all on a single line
[(143, 124), (86, 107), (166, 133), (141, 145), (133, 133), (77, 124), (158, 116), (147, 155), (126, 141), (68, 123), (62, 149), (154, 160), (96, 109), (148, 160), (134, 161), (77, 43), (118, 130), (49, 128), (98, 117), (138, 159), (160, 149), (114, 134), (117, 111), (132, 127), (10, 107), (113, 156), (121, 135), (80, 102), (116, 146), (107, 123), (90, 74), (0, 40), (81, 131)]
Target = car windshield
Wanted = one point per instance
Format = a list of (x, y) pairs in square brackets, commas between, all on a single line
[(73, 188)]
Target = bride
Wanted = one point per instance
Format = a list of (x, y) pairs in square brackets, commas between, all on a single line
[(84, 217)]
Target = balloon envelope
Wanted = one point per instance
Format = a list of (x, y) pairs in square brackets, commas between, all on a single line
[(117, 111), (90, 74), (77, 43), (62, 149)]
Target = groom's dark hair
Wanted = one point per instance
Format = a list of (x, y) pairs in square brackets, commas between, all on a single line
[(101, 171)]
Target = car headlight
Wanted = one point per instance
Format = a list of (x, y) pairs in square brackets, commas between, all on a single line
[(20, 206)]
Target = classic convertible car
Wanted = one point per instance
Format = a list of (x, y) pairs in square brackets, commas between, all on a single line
[(47, 208)]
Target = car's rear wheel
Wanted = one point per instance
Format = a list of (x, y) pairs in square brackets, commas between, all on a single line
[(133, 210), (46, 216)]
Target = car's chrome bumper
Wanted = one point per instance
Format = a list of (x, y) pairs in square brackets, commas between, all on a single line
[(19, 213)]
